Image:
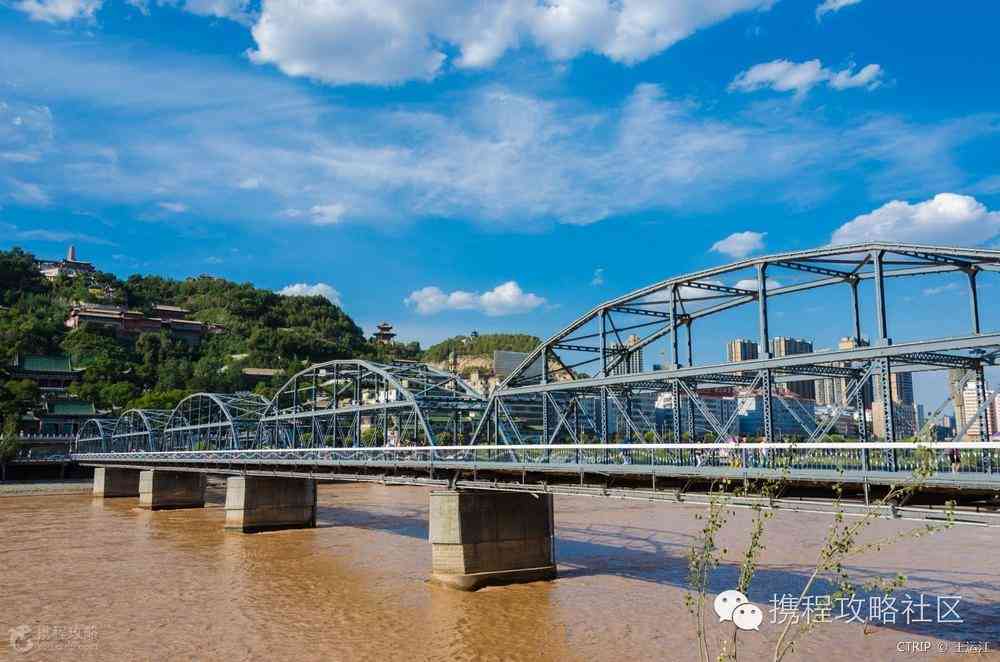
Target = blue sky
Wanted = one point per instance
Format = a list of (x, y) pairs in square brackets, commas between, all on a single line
[(495, 166)]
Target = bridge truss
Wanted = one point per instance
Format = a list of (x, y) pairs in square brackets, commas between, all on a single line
[(214, 421), (352, 403), (139, 430), (583, 384), (95, 435), (337, 404), (580, 402)]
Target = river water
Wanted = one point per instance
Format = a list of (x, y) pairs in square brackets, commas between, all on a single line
[(89, 579)]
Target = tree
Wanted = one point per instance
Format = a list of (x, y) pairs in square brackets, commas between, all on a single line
[(18, 396), (842, 544), (167, 399), (19, 275), (9, 444), (117, 395), (482, 346)]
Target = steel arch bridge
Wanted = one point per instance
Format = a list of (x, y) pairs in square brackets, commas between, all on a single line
[(214, 421), (95, 435), (353, 403), (579, 403), (139, 430), (550, 399)]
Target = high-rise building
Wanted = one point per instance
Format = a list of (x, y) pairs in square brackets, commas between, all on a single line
[(994, 432), (832, 392), (741, 349), (970, 407), (957, 388), (903, 410), (784, 346), (826, 393), (632, 363), (902, 387)]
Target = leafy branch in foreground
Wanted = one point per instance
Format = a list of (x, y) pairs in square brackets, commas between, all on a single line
[(843, 542)]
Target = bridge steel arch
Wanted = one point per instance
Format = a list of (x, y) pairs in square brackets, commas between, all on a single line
[(581, 385), (355, 403), (214, 421), (139, 430), (94, 435)]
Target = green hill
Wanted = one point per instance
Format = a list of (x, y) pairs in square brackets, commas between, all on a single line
[(482, 346), (259, 327)]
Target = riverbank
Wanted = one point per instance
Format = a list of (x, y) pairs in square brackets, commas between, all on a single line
[(46, 487)]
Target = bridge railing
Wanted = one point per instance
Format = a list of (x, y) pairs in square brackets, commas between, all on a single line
[(971, 457)]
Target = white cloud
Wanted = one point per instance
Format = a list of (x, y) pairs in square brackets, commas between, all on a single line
[(800, 77), (26, 131), (947, 218), (504, 299), (58, 11), (58, 236), (932, 291), (329, 214), (598, 278), (173, 207), (751, 284), (391, 41), (236, 10), (830, 6), (488, 155), (869, 76), (28, 193), (740, 244), (307, 290), (250, 183), (688, 292)]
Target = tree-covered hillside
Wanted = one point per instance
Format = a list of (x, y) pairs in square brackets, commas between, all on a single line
[(482, 346), (260, 329)]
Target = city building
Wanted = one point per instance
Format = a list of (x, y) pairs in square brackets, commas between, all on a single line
[(53, 374), (994, 431), (783, 422), (903, 408), (784, 346), (833, 391), (720, 403), (505, 362), (641, 408), (846, 423), (966, 414), (741, 349), (632, 362), (70, 266)]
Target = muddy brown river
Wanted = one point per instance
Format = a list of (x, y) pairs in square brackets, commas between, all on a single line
[(86, 579)]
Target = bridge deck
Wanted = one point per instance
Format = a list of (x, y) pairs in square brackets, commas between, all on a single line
[(582, 464)]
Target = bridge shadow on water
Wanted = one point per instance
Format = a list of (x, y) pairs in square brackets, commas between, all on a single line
[(660, 557)]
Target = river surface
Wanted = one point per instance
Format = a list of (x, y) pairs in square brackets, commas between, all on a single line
[(90, 579)]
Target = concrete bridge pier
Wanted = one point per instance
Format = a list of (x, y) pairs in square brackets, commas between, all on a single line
[(258, 503), (161, 490), (481, 538), (111, 482)]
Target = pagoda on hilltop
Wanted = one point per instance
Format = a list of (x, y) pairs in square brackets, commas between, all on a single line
[(385, 334), (71, 266)]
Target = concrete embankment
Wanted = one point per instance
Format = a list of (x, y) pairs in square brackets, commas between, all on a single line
[(41, 488)]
